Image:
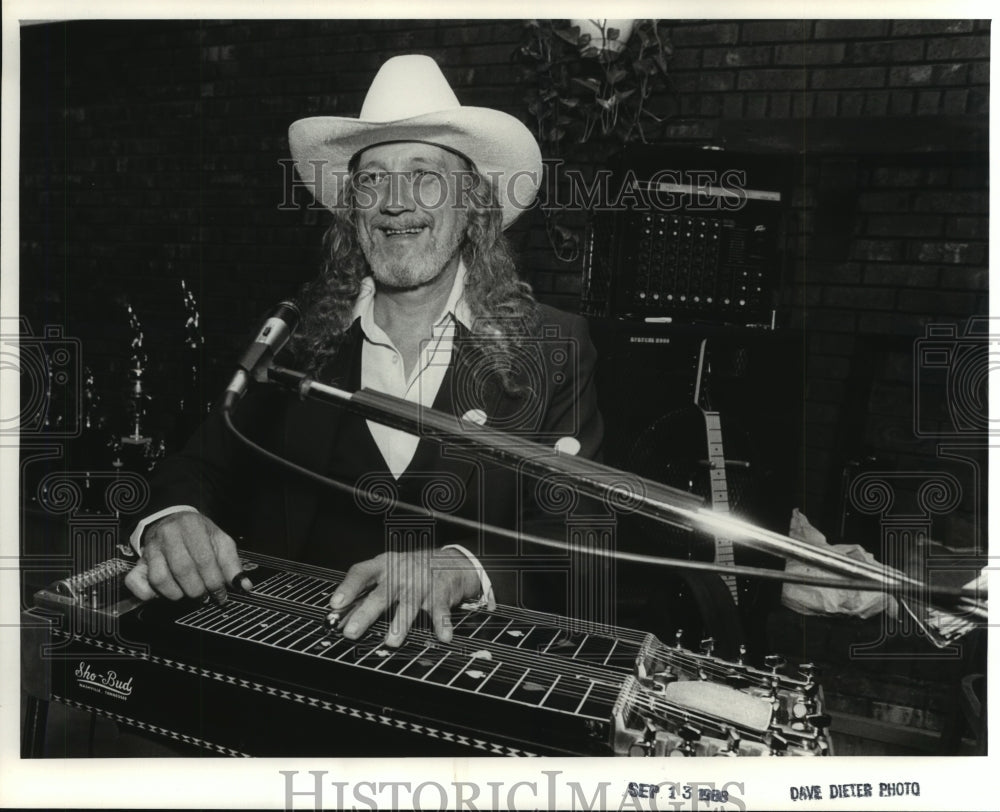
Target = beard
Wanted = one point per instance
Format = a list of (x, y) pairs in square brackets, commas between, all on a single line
[(405, 264)]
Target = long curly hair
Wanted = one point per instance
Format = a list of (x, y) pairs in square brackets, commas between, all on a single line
[(502, 306)]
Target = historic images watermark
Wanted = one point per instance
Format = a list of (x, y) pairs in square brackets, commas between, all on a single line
[(568, 188), (88, 506), (952, 368), (313, 789)]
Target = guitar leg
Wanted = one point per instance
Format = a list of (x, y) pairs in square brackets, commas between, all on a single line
[(36, 717)]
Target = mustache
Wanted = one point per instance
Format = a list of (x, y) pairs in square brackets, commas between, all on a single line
[(397, 225)]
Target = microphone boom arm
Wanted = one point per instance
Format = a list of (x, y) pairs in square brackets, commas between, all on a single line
[(619, 488)]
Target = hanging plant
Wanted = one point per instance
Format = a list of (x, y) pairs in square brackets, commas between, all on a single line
[(576, 92), (590, 82)]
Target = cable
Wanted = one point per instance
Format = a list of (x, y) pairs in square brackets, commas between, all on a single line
[(642, 558)]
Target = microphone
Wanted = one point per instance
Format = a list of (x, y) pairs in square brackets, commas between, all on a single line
[(273, 335)]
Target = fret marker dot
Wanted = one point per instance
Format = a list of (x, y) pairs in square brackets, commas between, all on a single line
[(482, 655), (476, 674), (516, 633), (533, 686), (382, 653)]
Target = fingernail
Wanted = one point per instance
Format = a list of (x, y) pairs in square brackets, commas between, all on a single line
[(337, 600), (247, 585), (351, 629), (220, 596)]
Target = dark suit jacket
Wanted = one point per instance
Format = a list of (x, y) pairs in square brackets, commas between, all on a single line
[(275, 511)]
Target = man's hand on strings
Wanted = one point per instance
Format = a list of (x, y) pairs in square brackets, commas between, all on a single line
[(430, 580), (185, 554)]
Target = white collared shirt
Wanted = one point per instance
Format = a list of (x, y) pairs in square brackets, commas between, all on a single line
[(382, 366)]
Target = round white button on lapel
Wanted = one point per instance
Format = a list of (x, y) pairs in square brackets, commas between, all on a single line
[(477, 416), (568, 445)]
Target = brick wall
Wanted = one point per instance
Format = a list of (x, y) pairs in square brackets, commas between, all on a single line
[(150, 154)]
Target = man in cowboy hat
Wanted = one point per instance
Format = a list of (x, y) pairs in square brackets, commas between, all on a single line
[(419, 298)]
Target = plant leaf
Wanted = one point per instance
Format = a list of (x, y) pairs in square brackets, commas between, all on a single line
[(617, 75), (644, 66), (589, 83), (570, 35)]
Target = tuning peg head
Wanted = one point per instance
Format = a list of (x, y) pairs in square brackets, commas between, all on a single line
[(708, 646), (774, 662), (742, 655), (677, 637), (809, 671)]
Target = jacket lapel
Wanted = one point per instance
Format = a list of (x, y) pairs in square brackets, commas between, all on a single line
[(310, 432), (311, 427), (467, 387)]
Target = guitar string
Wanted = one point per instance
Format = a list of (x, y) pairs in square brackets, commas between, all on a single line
[(513, 656), (694, 662)]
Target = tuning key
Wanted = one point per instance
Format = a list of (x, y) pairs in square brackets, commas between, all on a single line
[(742, 655), (732, 742), (777, 743), (774, 662), (689, 732), (736, 680), (665, 677), (708, 646), (677, 638)]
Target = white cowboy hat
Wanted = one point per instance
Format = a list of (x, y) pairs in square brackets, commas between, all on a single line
[(410, 100)]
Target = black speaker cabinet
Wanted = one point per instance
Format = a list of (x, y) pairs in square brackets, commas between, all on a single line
[(647, 377)]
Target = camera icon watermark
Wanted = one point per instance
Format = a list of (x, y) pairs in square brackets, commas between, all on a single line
[(530, 369), (951, 379), (51, 382)]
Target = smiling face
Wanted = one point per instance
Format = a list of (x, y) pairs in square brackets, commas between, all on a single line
[(409, 224)]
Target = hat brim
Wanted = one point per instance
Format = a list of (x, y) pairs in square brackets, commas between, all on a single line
[(499, 145)]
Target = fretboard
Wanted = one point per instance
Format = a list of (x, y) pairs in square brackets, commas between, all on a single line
[(472, 662), (720, 495)]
